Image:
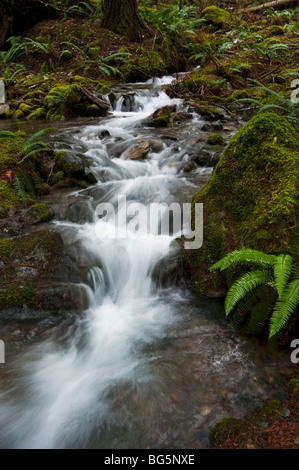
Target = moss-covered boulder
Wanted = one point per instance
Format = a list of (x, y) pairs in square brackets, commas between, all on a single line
[(37, 273), (251, 199), (143, 63), (161, 117), (218, 17)]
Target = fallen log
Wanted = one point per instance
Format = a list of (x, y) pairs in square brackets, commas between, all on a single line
[(276, 4), (95, 99)]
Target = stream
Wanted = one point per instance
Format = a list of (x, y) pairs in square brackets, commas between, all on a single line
[(148, 365)]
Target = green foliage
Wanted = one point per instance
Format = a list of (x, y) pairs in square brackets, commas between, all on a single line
[(22, 46), (283, 106), (211, 51), (172, 21), (104, 64), (32, 146), (276, 272)]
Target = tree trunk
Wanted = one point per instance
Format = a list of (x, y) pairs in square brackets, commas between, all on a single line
[(18, 15), (276, 4), (121, 16)]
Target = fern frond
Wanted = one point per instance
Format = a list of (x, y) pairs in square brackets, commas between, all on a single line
[(6, 134), (245, 256), (282, 270), (284, 308), (19, 187), (244, 285)]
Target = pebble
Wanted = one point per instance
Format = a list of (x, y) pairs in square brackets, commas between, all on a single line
[(285, 413)]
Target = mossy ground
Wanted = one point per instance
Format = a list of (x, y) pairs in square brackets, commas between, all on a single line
[(274, 426)]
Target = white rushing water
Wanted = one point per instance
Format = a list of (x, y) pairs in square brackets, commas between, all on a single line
[(65, 384)]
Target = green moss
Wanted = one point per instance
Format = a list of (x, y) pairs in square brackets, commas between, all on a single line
[(10, 146), (217, 16), (42, 211), (8, 198), (222, 429), (215, 139), (274, 30), (25, 108), (6, 248), (57, 177), (16, 295), (293, 387), (251, 199), (9, 113), (272, 406), (18, 114), (39, 113), (44, 189), (238, 94), (145, 63), (161, 121)]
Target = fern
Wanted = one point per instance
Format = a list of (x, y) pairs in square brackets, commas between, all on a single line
[(276, 304), (32, 146), (284, 308), (282, 270), (20, 187), (246, 256), (243, 286)]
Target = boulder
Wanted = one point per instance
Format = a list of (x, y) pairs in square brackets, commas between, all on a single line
[(251, 199), (138, 152)]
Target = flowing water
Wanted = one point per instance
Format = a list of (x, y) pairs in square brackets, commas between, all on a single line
[(144, 366)]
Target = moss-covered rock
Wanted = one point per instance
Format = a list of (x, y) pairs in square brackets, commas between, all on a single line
[(145, 63), (293, 388), (8, 198), (38, 113), (37, 213), (251, 199), (215, 139), (217, 16), (274, 30)]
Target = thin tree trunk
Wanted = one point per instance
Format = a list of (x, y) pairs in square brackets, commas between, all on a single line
[(121, 16), (276, 4)]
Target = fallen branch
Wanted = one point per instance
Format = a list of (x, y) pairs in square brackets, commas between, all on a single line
[(277, 4), (92, 97)]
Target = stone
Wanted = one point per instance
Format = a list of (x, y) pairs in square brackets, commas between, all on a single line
[(138, 152), (4, 108)]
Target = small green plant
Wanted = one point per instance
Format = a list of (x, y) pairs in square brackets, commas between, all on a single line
[(31, 146), (211, 51), (103, 62), (277, 272), (20, 46), (282, 105)]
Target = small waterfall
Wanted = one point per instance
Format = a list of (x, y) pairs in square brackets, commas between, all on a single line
[(143, 366)]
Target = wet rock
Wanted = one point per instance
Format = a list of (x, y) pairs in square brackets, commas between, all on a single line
[(71, 165), (156, 145), (138, 152), (36, 214), (33, 273), (104, 134), (79, 212), (61, 297), (169, 270), (188, 167), (161, 117), (4, 108)]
